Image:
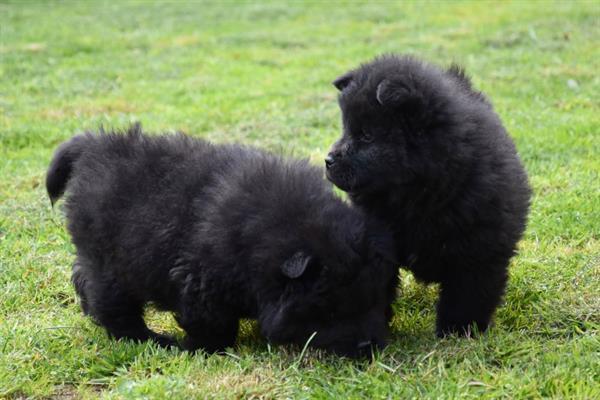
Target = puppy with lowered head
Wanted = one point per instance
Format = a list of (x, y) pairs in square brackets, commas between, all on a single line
[(425, 151), (216, 233)]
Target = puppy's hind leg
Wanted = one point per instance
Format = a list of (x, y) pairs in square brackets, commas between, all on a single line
[(119, 314), (209, 324)]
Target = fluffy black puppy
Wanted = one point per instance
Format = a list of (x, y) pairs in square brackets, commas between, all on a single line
[(424, 150), (215, 234)]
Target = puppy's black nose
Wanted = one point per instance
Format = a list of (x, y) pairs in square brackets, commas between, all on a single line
[(329, 161)]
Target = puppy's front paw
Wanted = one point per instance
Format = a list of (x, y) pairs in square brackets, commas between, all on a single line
[(462, 329), (194, 344)]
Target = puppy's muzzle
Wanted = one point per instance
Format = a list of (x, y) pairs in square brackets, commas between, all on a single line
[(333, 157), (329, 161)]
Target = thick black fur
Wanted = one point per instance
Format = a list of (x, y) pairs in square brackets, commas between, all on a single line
[(424, 150), (215, 234)]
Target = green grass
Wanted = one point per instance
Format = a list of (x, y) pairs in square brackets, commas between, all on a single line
[(260, 74)]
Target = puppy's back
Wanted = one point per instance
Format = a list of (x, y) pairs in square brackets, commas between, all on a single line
[(127, 190)]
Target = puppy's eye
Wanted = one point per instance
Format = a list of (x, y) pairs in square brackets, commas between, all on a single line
[(366, 137)]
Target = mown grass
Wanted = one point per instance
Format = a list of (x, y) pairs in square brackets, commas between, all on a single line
[(260, 74)]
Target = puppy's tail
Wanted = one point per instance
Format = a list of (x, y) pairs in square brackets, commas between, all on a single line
[(61, 167)]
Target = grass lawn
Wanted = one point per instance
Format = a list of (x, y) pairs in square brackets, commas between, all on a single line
[(261, 74)]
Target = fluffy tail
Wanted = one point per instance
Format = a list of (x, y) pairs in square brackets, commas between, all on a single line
[(61, 167)]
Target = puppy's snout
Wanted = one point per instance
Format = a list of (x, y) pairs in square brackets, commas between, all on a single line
[(337, 152), (329, 160)]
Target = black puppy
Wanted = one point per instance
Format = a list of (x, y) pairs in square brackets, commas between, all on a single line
[(215, 234), (424, 150)]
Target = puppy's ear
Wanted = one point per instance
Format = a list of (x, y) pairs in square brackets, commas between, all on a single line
[(396, 93), (296, 265), (343, 81)]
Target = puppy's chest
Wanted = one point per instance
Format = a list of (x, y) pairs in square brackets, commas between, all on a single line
[(418, 246)]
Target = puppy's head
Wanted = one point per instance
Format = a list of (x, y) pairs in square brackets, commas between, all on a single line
[(333, 286), (401, 125)]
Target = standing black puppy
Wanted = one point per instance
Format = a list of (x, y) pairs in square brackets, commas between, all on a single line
[(424, 150), (215, 234)]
